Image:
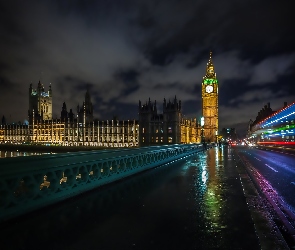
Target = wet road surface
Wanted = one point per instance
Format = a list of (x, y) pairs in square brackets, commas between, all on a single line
[(195, 203), (277, 168)]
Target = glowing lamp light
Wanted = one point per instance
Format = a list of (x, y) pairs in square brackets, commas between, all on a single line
[(202, 121)]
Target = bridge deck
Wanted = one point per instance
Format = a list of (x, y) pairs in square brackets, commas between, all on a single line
[(194, 203), (11, 165)]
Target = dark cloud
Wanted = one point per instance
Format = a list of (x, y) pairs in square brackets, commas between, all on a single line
[(125, 51), (129, 78)]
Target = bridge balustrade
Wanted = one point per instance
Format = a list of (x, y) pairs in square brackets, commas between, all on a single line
[(32, 182)]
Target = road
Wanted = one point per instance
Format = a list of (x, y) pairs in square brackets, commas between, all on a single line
[(277, 168)]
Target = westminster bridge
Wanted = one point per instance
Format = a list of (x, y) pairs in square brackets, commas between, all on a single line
[(161, 197), (28, 183)]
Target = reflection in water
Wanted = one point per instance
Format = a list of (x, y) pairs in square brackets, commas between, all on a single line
[(213, 201), (209, 195), (204, 177), (219, 156), (6, 154), (209, 189)]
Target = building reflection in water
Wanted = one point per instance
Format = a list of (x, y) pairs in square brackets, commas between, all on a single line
[(209, 189), (212, 171)]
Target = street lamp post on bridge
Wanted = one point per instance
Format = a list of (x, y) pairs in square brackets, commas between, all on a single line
[(202, 129)]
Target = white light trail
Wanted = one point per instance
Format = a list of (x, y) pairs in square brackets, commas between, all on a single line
[(271, 168)]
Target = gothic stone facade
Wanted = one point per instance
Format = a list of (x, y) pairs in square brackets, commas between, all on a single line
[(210, 103), (40, 103), (166, 128)]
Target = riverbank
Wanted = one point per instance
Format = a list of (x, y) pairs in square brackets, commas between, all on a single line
[(43, 148)]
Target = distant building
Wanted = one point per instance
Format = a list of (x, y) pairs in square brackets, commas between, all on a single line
[(85, 112), (40, 103), (264, 113), (151, 128), (66, 116), (69, 130), (111, 133), (166, 128), (277, 129), (229, 134), (210, 103)]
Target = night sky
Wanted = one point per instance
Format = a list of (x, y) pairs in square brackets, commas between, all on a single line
[(126, 51)]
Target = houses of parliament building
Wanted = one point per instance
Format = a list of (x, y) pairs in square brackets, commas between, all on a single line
[(81, 129)]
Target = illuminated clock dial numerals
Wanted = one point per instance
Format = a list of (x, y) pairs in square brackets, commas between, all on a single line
[(209, 88)]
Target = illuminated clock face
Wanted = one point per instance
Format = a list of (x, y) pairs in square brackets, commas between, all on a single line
[(209, 89)]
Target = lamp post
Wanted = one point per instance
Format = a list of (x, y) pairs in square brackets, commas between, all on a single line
[(202, 128)]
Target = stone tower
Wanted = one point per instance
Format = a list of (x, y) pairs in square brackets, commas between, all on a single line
[(85, 112), (40, 103), (172, 119), (66, 116), (210, 103), (159, 129)]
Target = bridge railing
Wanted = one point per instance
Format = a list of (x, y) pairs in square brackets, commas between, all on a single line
[(28, 183)]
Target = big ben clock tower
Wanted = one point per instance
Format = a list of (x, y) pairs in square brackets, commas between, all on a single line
[(210, 103)]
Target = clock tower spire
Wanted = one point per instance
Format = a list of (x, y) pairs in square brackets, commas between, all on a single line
[(210, 103), (210, 73)]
